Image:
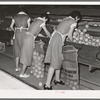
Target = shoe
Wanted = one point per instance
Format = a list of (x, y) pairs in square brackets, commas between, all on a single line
[(17, 69), (57, 82), (24, 75), (47, 88)]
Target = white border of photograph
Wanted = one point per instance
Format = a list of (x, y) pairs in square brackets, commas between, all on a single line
[(64, 94)]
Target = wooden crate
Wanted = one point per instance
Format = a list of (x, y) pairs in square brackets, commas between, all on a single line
[(70, 67)]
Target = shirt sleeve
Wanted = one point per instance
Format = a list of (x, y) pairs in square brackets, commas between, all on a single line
[(74, 25)]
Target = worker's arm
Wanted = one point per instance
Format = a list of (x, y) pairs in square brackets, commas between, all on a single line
[(12, 24), (28, 22), (72, 28), (45, 29)]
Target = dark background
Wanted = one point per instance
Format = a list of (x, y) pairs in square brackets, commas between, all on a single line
[(56, 11), (90, 10)]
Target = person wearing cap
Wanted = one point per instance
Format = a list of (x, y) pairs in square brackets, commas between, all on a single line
[(29, 41), (20, 23), (54, 54)]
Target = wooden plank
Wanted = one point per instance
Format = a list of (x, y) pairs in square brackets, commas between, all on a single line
[(89, 84)]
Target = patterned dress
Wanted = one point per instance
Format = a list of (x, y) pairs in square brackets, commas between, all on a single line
[(54, 51), (29, 41), (54, 54), (20, 31)]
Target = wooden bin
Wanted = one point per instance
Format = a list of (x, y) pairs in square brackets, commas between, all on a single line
[(70, 66)]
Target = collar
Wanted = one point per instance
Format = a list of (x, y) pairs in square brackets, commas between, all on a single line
[(71, 17), (22, 13), (43, 19)]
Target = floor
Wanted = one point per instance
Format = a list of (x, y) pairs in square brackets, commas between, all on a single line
[(88, 80), (8, 82)]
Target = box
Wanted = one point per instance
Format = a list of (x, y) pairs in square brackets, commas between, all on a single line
[(71, 70), (69, 53), (70, 67)]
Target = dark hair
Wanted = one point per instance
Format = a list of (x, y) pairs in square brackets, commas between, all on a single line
[(75, 14), (44, 15), (21, 8)]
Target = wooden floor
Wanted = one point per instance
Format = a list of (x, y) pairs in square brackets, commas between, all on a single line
[(88, 80), (8, 82)]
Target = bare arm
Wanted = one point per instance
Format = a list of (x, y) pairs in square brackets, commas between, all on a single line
[(12, 24), (28, 22), (70, 34), (45, 29)]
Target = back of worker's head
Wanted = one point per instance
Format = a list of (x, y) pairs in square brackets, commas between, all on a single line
[(75, 14), (45, 16), (22, 10)]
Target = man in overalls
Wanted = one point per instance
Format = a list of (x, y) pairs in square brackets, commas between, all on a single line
[(20, 24), (54, 54), (29, 41)]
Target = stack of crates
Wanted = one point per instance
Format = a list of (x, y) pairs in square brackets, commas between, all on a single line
[(70, 67)]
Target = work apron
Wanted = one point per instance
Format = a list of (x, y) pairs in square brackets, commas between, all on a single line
[(18, 37), (54, 51), (27, 49)]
